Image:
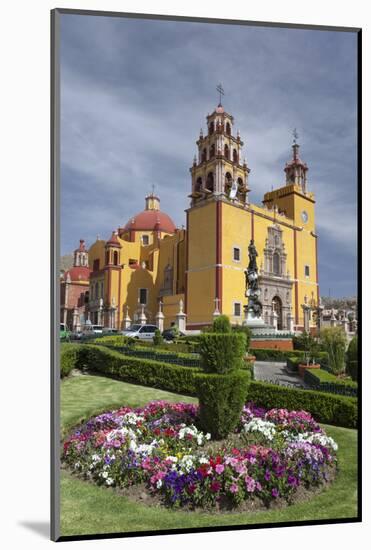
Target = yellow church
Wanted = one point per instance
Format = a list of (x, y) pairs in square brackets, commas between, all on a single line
[(150, 265)]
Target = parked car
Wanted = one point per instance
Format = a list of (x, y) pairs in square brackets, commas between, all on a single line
[(64, 333), (141, 332), (170, 334)]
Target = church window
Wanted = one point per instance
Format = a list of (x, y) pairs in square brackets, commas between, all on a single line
[(198, 186), (235, 155), (143, 296), (228, 129), (237, 309), (228, 183), (212, 151), (226, 151), (145, 239), (107, 257), (276, 263), (115, 258), (306, 270), (211, 128), (96, 265), (204, 155), (236, 254), (210, 181)]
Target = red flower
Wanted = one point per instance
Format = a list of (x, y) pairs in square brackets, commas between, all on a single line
[(215, 486)]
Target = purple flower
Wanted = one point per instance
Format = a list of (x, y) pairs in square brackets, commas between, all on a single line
[(267, 475), (275, 493)]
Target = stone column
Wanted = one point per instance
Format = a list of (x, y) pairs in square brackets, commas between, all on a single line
[(216, 311), (181, 318), (290, 321), (127, 320), (142, 316), (333, 319), (75, 321), (275, 319), (160, 317), (306, 311)]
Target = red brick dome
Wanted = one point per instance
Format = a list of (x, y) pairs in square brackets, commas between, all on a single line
[(151, 220), (78, 274)]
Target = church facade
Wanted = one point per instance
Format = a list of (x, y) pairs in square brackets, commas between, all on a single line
[(149, 264)]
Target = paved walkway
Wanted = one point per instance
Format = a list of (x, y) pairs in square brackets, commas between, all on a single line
[(275, 372)]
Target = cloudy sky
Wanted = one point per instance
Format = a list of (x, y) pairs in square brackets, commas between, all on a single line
[(134, 94)]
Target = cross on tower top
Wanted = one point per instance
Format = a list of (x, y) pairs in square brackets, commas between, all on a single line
[(221, 92), (295, 134)]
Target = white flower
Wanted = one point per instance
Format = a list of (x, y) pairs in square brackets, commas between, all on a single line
[(77, 465), (173, 459), (264, 427), (96, 458), (159, 483), (104, 475), (109, 481)]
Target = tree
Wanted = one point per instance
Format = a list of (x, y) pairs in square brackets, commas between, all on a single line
[(334, 341)]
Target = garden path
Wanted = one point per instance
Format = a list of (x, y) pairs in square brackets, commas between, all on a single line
[(275, 371)]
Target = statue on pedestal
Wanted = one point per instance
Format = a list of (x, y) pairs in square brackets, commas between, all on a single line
[(252, 291)]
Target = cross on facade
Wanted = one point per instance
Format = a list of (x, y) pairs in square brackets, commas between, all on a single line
[(221, 92), (295, 134)]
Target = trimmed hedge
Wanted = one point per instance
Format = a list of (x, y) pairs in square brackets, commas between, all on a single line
[(221, 398), (222, 324), (146, 372), (325, 381), (246, 331), (69, 355), (183, 359), (222, 352), (325, 407)]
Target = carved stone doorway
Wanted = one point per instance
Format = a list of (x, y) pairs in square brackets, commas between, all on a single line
[(277, 306)]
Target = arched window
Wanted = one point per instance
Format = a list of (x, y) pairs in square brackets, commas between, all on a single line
[(107, 257), (235, 155), (228, 129), (204, 154), (239, 182), (198, 185), (212, 151), (115, 258), (211, 128), (227, 183), (210, 181), (226, 151), (276, 263)]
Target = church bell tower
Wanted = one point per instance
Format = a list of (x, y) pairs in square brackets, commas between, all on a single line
[(217, 168)]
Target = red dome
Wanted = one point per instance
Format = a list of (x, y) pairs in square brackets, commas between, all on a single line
[(151, 220), (78, 273)]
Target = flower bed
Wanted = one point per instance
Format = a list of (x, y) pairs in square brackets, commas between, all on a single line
[(272, 455)]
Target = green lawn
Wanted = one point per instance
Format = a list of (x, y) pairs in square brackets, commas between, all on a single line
[(86, 508)]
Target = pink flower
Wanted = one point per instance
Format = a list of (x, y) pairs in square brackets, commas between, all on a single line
[(219, 468), (233, 488), (250, 484)]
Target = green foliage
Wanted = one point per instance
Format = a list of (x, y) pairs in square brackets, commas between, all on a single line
[(334, 341), (352, 358), (222, 352), (69, 354), (136, 370), (113, 341), (246, 331), (325, 381), (304, 341), (165, 355), (325, 407), (222, 324), (158, 339), (221, 398)]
